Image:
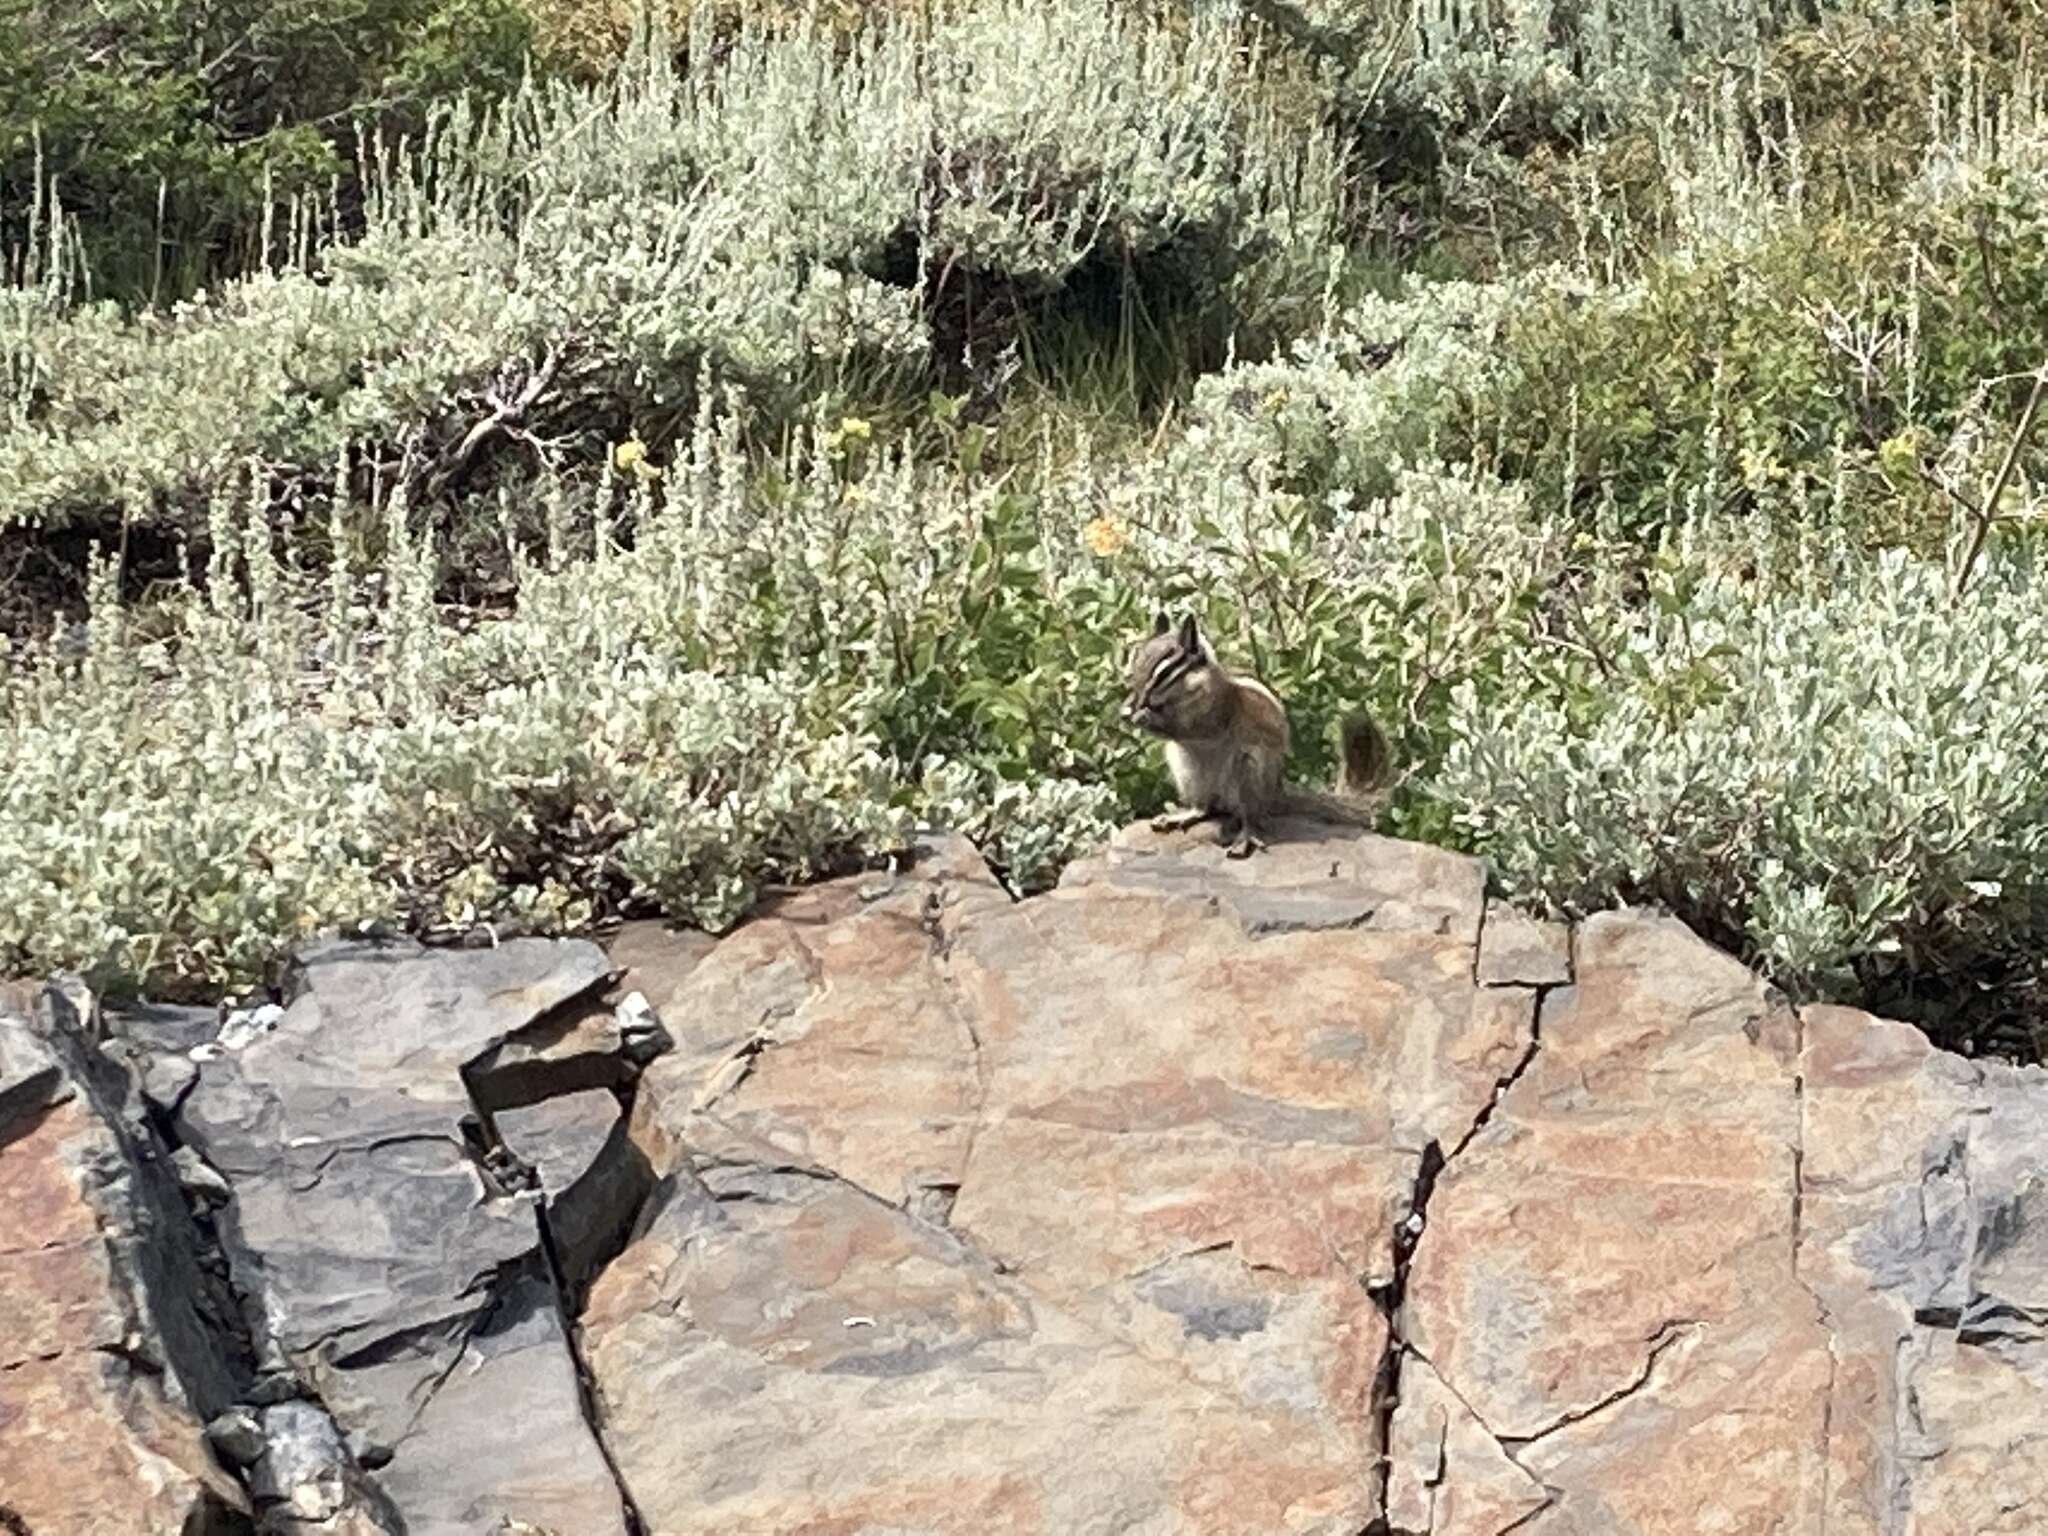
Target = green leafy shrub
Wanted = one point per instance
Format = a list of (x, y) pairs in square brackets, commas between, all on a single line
[(585, 39), (437, 349), (1375, 386), (1847, 366), (166, 129), (1545, 60), (1873, 87)]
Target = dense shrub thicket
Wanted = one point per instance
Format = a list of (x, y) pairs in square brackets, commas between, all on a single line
[(165, 127), (821, 407), (790, 664), (539, 277)]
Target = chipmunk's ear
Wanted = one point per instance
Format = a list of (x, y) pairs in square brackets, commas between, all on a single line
[(1190, 637), (1161, 624)]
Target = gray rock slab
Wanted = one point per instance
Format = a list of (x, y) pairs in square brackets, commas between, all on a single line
[(1311, 877), (389, 1268), (1516, 949), (592, 1177)]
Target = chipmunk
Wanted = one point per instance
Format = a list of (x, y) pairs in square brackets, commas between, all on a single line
[(1226, 742)]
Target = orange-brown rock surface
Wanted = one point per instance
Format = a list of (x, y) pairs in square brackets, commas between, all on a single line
[(1309, 1193), (1182, 1199), (100, 1408), (1064, 1215)]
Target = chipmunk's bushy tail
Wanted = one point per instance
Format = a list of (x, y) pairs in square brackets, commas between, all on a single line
[(1367, 763)]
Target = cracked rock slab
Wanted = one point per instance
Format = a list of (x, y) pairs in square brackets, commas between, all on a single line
[(1310, 877), (1606, 1284), (500, 1433), (595, 1039), (592, 1178), (1518, 950), (781, 1351), (1448, 1475), (1054, 1216), (1309, 1194), (395, 1277)]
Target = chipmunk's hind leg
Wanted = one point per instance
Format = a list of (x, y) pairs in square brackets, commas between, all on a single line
[(1180, 821), (1245, 843)]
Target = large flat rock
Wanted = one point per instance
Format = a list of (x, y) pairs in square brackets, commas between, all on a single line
[(1307, 1193), (1314, 1193), (1311, 877), (1062, 1216)]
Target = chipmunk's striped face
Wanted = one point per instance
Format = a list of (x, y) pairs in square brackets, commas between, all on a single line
[(1168, 671)]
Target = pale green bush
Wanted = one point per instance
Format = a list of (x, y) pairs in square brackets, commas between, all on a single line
[(1366, 392), (808, 219), (175, 812), (414, 341), (1807, 748), (1821, 753), (1557, 64)]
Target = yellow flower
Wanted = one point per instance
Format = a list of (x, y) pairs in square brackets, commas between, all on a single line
[(1104, 536), (851, 429), (1758, 469), (631, 456), (1899, 455)]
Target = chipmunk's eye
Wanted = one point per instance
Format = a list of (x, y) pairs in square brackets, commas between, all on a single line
[(1169, 672)]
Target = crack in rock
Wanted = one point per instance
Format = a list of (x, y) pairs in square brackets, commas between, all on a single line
[(561, 1296), (1822, 1314), (1425, 1488), (587, 1399), (1666, 1338), (939, 1210), (1407, 1237), (1550, 1497), (474, 1325), (731, 1073)]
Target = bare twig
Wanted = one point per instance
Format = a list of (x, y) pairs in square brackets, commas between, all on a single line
[(1987, 514), (1991, 294), (1379, 79), (1574, 613), (1940, 483), (506, 416)]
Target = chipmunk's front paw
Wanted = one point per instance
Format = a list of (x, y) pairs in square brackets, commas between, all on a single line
[(1243, 846), (1178, 821)]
